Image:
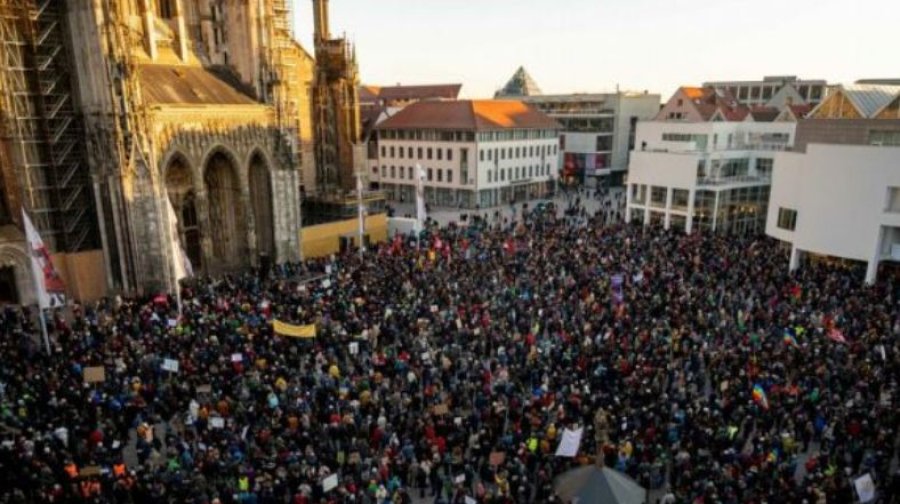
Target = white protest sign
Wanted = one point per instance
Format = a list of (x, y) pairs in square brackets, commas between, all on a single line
[(217, 422), (460, 479), (328, 269), (326, 284), (172, 322), (170, 365), (570, 442), (354, 348), (865, 488), (470, 500), (236, 357), (330, 483)]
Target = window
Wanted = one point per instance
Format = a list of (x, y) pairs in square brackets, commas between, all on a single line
[(893, 203), (680, 102), (409, 153), (502, 153), (680, 199), (440, 175), (481, 155), (400, 151), (429, 153), (490, 177), (767, 92), (430, 175), (502, 175), (604, 143), (401, 172), (531, 171), (392, 151), (490, 157), (787, 219), (884, 138), (701, 169), (419, 153), (383, 151), (449, 154), (409, 172), (764, 167), (393, 172), (517, 153), (658, 196), (509, 153), (531, 151), (384, 171), (754, 92), (449, 176), (440, 154)]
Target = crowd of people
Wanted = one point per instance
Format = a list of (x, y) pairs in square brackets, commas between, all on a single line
[(446, 368)]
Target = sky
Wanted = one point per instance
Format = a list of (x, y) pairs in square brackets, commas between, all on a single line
[(573, 46)]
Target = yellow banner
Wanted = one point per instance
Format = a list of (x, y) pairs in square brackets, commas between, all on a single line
[(294, 331)]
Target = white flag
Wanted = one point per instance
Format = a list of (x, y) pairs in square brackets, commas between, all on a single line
[(183, 267), (421, 214), (49, 286)]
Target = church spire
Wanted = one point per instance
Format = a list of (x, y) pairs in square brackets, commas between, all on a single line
[(320, 13)]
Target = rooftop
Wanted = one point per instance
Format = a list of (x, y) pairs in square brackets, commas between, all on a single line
[(191, 85), (520, 84), (410, 93), (478, 115)]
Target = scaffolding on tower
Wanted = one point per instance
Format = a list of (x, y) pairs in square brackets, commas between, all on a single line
[(39, 119)]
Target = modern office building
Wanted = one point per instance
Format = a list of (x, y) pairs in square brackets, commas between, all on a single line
[(473, 152), (705, 164), (837, 193), (598, 130), (775, 91)]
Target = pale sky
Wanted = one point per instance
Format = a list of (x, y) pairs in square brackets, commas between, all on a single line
[(592, 45)]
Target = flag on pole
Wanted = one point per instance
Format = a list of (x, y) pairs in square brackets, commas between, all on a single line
[(421, 214), (759, 397), (183, 267), (790, 340), (837, 336), (49, 286), (361, 211)]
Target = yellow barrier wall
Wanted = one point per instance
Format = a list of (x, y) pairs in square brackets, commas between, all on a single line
[(324, 239), (84, 274)]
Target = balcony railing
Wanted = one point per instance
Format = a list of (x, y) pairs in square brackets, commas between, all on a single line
[(739, 179)]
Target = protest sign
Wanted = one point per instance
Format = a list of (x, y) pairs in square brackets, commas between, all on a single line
[(330, 483), (170, 365), (570, 442), (96, 374)]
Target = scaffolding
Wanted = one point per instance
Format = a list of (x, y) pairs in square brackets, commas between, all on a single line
[(38, 110)]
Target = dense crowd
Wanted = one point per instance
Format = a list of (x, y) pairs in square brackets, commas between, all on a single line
[(448, 367)]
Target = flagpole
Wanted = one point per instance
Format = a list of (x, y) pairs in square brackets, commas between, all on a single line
[(360, 211), (38, 284)]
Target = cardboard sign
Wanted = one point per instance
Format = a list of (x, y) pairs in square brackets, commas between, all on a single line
[(497, 458), (330, 483), (865, 488), (95, 374), (90, 472), (204, 389), (170, 365), (441, 409), (570, 442), (355, 458)]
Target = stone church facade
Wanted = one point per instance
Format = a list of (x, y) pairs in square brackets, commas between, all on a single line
[(113, 112), (201, 106)]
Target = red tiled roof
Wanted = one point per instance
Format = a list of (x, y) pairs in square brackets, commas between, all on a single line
[(710, 100), (479, 115), (764, 114)]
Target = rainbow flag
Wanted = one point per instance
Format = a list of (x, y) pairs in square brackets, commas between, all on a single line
[(790, 340), (759, 397)]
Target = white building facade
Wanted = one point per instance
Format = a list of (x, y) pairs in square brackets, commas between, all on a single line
[(837, 195), (598, 130), (473, 153), (704, 176)]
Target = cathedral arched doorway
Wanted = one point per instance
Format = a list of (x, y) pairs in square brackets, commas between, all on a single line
[(181, 193), (227, 223), (261, 200)]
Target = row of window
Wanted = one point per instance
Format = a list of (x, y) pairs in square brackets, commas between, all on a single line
[(515, 134), (517, 173), (408, 173), (517, 152), (884, 138), (428, 135), (428, 153)]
